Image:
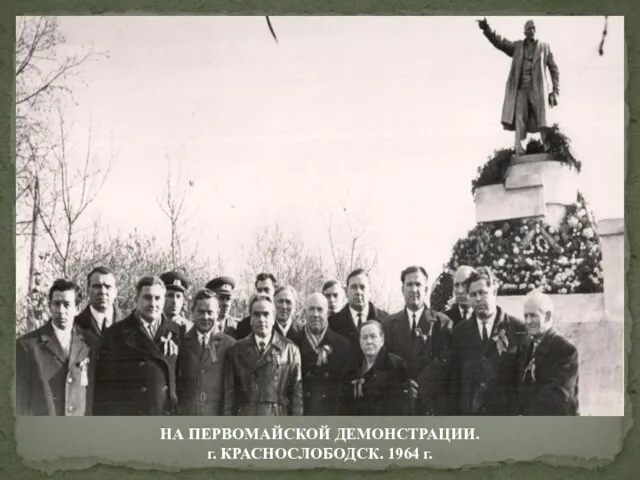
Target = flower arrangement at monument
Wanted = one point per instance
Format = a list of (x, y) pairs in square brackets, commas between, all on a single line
[(527, 254), (495, 169)]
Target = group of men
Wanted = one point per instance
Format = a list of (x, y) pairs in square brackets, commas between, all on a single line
[(341, 356)]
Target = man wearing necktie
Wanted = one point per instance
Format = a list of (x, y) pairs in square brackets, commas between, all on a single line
[(461, 309), (201, 360), (135, 374), (56, 362), (422, 338), (263, 370), (487, 351), (101, 311), (358, 309), (549, 379)]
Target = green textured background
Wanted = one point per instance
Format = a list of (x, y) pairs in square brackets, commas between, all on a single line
[(48, 434)]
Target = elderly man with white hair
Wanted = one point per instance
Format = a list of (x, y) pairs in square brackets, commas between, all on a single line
[(325, 359), (549, 381)]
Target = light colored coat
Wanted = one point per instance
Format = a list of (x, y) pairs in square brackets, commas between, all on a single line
[(541, 84), (265, 385), (48, 381)]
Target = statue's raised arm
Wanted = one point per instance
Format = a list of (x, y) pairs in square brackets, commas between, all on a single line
[(496, 40), (528, 94)]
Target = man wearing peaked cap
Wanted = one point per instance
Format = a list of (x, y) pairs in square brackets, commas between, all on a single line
[(177, 286), (223, 288)]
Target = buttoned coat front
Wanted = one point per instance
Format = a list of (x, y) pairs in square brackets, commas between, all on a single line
[(48, 381), (485, 378), (426, 353), (263, 385), (135, 374), (200, 374)]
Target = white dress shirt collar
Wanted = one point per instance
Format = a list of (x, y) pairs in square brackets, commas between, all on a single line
[(284, 329), (63, 336), (469, 312), (490, 321), (101, 317), (418, 314), (354, 315)]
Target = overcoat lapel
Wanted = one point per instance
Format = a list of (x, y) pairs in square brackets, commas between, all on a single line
[(50, 341), (139, 340), (78, 349)]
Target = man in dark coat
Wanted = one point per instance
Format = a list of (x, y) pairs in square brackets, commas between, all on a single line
[(422, 337), (262, 372), (135, 374), (487, 352), (461, 309), (325, 359), (55, 363), (358, 310), (285, 299), (265, 284), (550, 377), (223, 288), (101, 311), (528, 88), (201, 360), (378, 381)]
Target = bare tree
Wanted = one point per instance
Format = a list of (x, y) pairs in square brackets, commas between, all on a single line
[(42, 71), (356, 253), (75, 186), (172, 203), (286, 256)]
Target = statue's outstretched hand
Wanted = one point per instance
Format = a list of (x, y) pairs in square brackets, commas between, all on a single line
[(483, 24)]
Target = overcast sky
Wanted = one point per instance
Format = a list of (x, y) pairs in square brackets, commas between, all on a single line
[(388, 117)]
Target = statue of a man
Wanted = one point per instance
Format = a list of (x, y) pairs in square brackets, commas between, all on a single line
[(527, 91)]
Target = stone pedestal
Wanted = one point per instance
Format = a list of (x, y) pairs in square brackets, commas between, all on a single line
[(535, 186), (613, 267)]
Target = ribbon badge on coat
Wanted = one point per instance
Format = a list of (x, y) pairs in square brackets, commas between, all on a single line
[(84, 376), (421, 335), (501, 340), (168, 345), (357, 387), (531, 368), (323, 355)]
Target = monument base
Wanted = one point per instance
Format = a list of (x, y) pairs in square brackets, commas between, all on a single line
[(534, 186)]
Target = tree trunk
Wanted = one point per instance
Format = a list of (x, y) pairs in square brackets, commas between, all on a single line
[(34, 241)]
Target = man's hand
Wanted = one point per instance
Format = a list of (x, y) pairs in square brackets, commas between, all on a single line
[(483, 24), (553, 99)]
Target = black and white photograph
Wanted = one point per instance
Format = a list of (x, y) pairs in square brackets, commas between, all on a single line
[(320, 216)]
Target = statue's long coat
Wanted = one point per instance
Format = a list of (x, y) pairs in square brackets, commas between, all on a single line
[(541, 83)]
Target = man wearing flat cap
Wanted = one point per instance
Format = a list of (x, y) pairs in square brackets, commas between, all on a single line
[(223, 288), (177, 285), (528, 93)]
